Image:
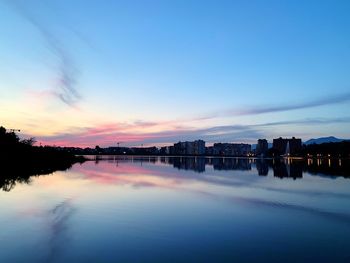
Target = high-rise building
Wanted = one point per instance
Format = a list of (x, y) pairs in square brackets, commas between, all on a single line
[(287, 146), (199, 147), (262, 147), (190, 148)]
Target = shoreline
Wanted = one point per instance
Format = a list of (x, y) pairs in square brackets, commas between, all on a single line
[(218, 156)]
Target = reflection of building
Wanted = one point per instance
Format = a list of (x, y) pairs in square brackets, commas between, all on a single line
[(188, 163), (262, 167), (287, 146), (190, 148), (288, 170), (198, 163), (262, 147), (231, 149), (231, 164)]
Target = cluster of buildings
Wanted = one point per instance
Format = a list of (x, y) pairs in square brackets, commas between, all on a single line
[(198, 148), (280, 147), (287, 147), (229, 149), (185, 148)]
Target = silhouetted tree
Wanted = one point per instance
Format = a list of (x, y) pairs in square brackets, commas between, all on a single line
[(30, 141), (33, 160)]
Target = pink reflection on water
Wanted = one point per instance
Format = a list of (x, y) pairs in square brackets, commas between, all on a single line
[(127, 173)]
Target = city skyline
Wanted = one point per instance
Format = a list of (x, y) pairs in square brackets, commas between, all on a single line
[(159, 72)]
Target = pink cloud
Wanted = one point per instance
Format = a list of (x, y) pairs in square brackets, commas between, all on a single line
[(108, 134), (136, 134)]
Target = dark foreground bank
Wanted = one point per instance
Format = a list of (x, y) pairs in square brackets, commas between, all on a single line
[(20, 159)]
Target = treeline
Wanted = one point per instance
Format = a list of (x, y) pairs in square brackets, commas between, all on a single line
[(113, 150), (20, 159), (331, 149), (334, 149)]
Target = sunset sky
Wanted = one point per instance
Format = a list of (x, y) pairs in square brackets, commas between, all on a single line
[(86, 73)]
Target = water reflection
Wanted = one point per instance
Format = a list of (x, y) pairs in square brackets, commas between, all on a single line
[(13, 173), (192, 163), (177, 209), (58, 226), (7, 183), (280, 168), (262, 167), (286, 169), (230, 163)]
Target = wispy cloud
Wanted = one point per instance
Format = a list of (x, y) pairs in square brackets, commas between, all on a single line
[(257, 110), (329, 100), (67, 71), (308, 121)]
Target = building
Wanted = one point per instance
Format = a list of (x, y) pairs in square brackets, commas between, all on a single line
[(231, 149), (262, 147), (190, 148), (199, 147), (144, 150), (167, 150), (180, 148), (209, 150), (287, 146)]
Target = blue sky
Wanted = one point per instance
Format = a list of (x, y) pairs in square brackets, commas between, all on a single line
[(96, 72)]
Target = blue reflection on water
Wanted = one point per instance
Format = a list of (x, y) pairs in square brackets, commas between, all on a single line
[(157, 209)]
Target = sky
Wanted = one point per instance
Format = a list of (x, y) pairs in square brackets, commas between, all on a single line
[(85, 73)]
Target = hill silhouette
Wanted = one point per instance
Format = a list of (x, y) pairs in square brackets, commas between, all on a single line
[(324, 140)]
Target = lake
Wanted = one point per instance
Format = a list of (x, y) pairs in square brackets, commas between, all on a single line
[(180, 209)]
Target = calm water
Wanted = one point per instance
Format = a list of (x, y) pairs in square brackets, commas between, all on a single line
[(180, 210)]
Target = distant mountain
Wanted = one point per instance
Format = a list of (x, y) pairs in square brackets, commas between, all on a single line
[(324, 140)]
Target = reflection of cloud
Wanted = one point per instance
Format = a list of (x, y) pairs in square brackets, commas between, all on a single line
[(292, 207), (165, 177), (136, 176), (343, 217), (57, 220), (132, 173), (309, 193), (56, 225), (67, 71)]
